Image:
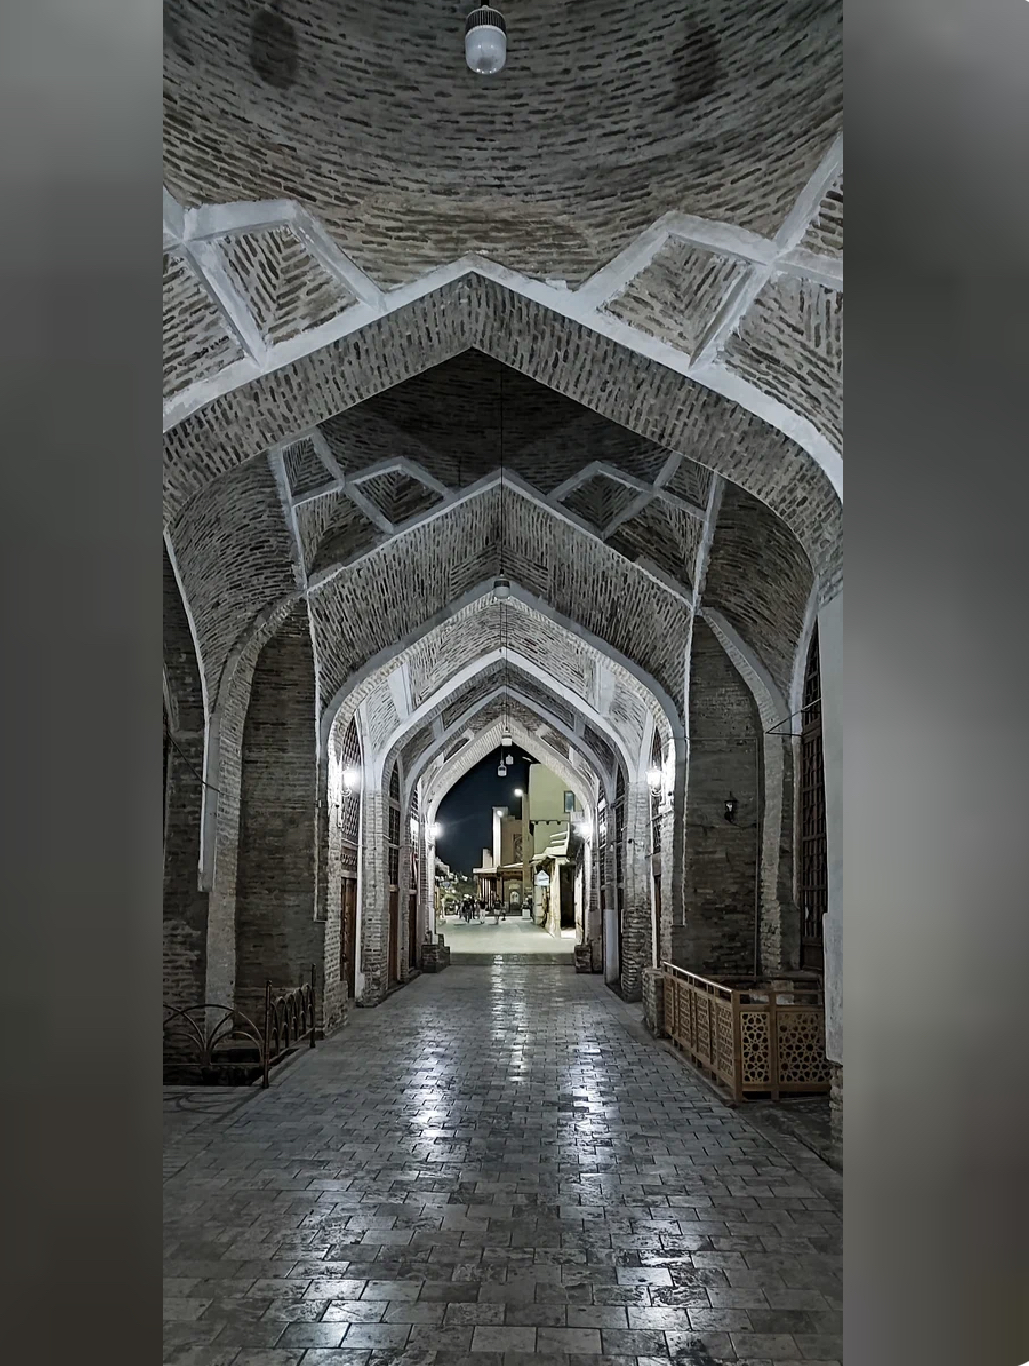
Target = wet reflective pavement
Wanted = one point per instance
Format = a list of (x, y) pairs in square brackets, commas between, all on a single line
[(495, 1165)]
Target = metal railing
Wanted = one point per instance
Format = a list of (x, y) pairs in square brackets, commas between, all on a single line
[(751, 1037), (288, 1019), (221, 1045)]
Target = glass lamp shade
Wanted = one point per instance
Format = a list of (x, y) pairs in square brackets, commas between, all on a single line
[(501, 589), (485, 41)]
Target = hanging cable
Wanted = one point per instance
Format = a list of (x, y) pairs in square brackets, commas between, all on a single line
[(194, 771)]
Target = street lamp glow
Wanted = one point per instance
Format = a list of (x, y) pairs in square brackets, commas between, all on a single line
[(437, 830), (352, 779), (654, 777), (518, 792)]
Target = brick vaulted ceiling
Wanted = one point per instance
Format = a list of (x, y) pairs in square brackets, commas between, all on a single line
[(605, 118), (341, 337)]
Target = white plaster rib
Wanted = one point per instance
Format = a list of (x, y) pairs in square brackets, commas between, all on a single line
[(582, 305)]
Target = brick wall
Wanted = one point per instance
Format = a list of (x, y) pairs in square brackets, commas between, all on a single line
[(277, 936), (374, 906), (654, 1001), (637, 905), (185, 907), (836, 1110), (720, 858)]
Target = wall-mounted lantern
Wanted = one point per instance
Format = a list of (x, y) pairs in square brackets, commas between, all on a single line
[(731, 807)]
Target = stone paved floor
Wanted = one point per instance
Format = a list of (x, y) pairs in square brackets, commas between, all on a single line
[(496, 1162), (510, 936)]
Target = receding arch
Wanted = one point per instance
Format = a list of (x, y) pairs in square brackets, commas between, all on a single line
[(444, 741), (481, 593), (636, 391)]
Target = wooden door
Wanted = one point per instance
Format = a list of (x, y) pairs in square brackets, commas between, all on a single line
[(393, 929), (812, 879), (349, 945)]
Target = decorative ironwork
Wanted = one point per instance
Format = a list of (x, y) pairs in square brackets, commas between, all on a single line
[(620, 834), (655, 797), (393, 829), (216, 1044), (211, 1043), (350, 802), (288, 1018)]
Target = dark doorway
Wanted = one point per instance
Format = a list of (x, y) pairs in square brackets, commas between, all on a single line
[(394, 928), (620, 860), (348, 949), (812, 876), (412, 929), (567, 896)]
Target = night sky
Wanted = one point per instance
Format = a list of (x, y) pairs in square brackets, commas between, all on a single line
[(466, 812)]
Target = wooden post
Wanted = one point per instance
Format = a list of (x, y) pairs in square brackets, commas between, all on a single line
[(737, 1049), (773, 1041), (313, 966)]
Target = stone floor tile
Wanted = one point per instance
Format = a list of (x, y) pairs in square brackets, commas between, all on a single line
[(201, 1356), (271, 1356), (391, 1290), (597, 1316), (536, 1315), (450, 1292), (376, 1335), (401, 1172), (179, 1309), (641, 1343), (355, 1311), (775, 1346), (574, 1341), (313, 1335), (441, 1340), (487, 1339), (416, 1312), (334, 1356), (819, 1346)]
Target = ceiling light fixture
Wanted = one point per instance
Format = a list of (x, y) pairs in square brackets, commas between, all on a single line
[(485, 41)]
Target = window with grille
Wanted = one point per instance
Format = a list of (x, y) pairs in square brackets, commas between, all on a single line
[(350, 804), (812, 868), (393, 836), (655, 797), (620, 834)]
